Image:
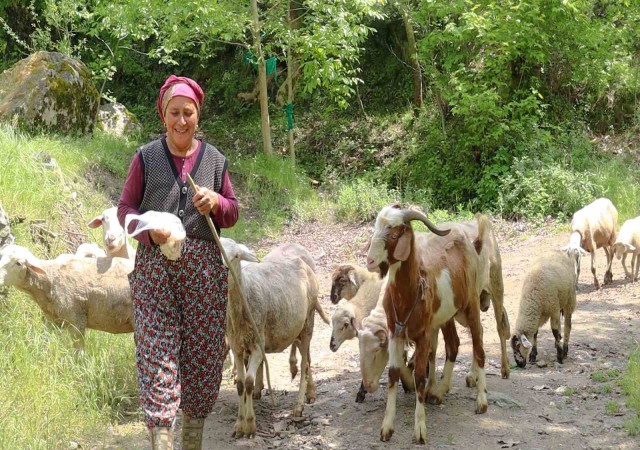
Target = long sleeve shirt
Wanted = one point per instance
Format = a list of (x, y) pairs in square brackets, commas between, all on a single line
[(225, 216)]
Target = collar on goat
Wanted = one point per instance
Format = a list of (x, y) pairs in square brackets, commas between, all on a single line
[(400, 327)]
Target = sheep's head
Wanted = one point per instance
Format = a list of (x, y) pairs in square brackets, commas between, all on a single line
[(521, 347), (113, 233), (236, 253), (16, 264), (343, 323), (392, 238), (343, 283), (621, 249), (156, 220), (374, 355), (575, 251)]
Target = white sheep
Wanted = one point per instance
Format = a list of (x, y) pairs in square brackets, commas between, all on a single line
[(114, 237), (593, 227), (73, 291), (347, 279), (90, 250), (547, 293), (155, 220), (629, 242), (348, 316), (282, 297)]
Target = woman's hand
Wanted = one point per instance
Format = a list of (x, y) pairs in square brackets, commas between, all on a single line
[(205, 200), (159, 236)]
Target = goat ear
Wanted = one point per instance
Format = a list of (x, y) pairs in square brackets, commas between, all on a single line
[(352, 277), (95, 222), (403, 247), (525, 342), (382, 337)]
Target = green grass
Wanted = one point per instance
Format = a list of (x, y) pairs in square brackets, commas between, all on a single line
[(619, 179), (631, 388)]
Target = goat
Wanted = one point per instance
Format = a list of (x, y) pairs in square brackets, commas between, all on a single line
[(114, 237), (73, 291), (283, 297), (629, 242), (427, 287), (592, 227), (548, 292)]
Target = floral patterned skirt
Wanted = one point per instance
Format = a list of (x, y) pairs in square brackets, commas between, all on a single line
[(179, 308)]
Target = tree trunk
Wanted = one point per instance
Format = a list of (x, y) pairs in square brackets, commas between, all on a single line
[(291, 69), (413, 53), (262, 82)]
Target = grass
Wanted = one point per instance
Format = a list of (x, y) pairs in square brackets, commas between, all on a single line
[(631, 388)]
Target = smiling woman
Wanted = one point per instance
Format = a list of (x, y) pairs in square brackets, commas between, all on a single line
[(179, 306)]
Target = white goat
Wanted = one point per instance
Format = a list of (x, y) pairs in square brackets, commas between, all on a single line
[(154, 220), (90, 250), (629, 242), (73, 291), (282, 297), (592, 227), (114, 237), (548, 292)]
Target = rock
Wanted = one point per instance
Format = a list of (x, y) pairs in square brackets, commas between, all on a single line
[(115, 119), (561, 390), (502, 400), (542, 364), (6, 237), (49, 91), (541, 387)]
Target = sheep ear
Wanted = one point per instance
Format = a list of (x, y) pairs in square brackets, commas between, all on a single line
[(352, 277), (630, 248), (95, 222), (382, 336), (246, 254), (355, 325), (403, 247), (35, 267), (525, 341)]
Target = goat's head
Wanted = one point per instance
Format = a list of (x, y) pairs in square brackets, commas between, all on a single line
[(521, 347), (392, 238), (113, 233), (343, 283), (16, 264), (374, 355), (344, 326)]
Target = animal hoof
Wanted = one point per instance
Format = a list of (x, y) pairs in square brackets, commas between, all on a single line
[(360, 397), (420, 435), (434, 399), (385, 435), (257, 395), (297, 411), (505, 372), (565, 350), (471, 380), (481, 408)]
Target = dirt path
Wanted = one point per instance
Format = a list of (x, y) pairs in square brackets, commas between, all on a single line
[(554, 406)]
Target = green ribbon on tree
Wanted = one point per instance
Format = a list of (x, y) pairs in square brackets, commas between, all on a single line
[(271, 63), (288, 110)]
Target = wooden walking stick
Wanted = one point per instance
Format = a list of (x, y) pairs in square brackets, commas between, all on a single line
[(243, 300)]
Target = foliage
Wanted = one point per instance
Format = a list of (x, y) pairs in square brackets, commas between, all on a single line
[(631, 386), (361, 200)]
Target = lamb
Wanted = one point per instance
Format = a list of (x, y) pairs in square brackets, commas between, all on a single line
[(90, 250), (282, 297), (347, 279), (73, 291), (348, 315), (592, 227), (151, 220), (428, 286), (548, 292), (113, 234), (629, 242)]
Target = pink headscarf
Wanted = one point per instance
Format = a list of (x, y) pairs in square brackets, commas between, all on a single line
[(179, 86)]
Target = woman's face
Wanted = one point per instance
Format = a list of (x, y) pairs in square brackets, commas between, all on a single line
[(181, 118)]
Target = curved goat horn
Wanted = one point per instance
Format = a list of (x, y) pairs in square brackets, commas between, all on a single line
[(409, 214)]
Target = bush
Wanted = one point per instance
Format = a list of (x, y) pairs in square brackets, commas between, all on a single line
[(534, 190), (361, 200)]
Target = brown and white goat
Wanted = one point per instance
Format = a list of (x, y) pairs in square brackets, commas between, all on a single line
[(426, 288)]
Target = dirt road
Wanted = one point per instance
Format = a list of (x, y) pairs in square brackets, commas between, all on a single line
[(576, 405)]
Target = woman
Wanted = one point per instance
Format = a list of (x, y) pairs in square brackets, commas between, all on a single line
[(179, 306)]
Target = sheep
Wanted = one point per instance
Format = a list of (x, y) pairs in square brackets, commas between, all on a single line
[(346, 280), (348, 315), (428, 286), (73, 291), (90, 250), (592, 227), (114, 236), (282, 296), (151, 220), (548, 292), (629, 242)]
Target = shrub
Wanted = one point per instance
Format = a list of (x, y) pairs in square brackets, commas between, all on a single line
[(361, 200)]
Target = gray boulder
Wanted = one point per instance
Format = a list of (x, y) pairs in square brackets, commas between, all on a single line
[(49, 91), (115, 119)]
